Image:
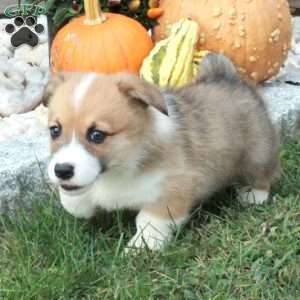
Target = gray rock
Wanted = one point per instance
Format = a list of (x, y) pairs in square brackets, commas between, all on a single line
[(23, 172), (291, 68), (282, 94), (283, 102), (296, 26)]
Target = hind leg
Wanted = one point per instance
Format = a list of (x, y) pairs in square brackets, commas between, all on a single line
[(257, 178), (254, 195)]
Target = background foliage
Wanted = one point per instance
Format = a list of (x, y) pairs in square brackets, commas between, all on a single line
[(61, 11)]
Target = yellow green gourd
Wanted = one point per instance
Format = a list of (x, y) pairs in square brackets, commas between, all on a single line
[(173, 61)]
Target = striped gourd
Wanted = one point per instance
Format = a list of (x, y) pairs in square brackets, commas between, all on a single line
[(173, 61), (198, 56)]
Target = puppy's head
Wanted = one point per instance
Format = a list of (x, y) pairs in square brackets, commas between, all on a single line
[(97, 123)]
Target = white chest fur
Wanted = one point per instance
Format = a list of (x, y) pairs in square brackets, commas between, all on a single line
[(125, 190), (115, 191)]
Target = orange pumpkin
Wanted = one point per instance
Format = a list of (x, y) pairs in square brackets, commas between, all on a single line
[(100, 42), (256, 35)]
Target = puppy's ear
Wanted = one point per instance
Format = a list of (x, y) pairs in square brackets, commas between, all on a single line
[(136, 88), (54, 82)]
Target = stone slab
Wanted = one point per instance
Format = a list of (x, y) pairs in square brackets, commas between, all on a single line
[(283, 102), (23, 176)]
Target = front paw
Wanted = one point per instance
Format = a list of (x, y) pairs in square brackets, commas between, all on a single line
[(152, 232), (153, 241)]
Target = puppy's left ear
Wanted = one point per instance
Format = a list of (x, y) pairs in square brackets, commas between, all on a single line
[(54, 82), (138, 89)]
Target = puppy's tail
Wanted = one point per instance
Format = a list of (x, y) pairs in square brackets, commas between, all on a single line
[(217, 67)]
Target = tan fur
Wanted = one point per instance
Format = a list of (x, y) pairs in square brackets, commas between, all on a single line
[(109, 113), (222, 132)]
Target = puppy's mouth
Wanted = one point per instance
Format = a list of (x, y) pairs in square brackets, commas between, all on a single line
[(71, 188), (76, 189)]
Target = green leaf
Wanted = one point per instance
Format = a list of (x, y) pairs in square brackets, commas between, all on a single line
[(49, 5), (60, 16)]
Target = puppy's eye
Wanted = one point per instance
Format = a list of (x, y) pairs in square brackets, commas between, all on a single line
[(96, 136), (55, 131)]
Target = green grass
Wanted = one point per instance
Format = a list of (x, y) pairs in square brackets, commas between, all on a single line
[(225, 252)]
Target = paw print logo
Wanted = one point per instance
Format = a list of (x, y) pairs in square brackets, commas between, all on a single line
[(24, 31)]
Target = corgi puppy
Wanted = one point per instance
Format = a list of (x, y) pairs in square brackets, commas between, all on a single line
[(119, 142)]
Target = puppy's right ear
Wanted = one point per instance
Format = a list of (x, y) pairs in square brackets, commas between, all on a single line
[(142, 91), (54, 82)]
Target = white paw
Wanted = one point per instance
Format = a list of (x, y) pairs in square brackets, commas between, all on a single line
[(152, 232), (253, 196), (141, 240)]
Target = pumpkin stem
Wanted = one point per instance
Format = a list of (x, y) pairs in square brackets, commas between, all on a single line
[(93, 12)]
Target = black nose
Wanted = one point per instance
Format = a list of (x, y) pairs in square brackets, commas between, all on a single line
[(64, 171)]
